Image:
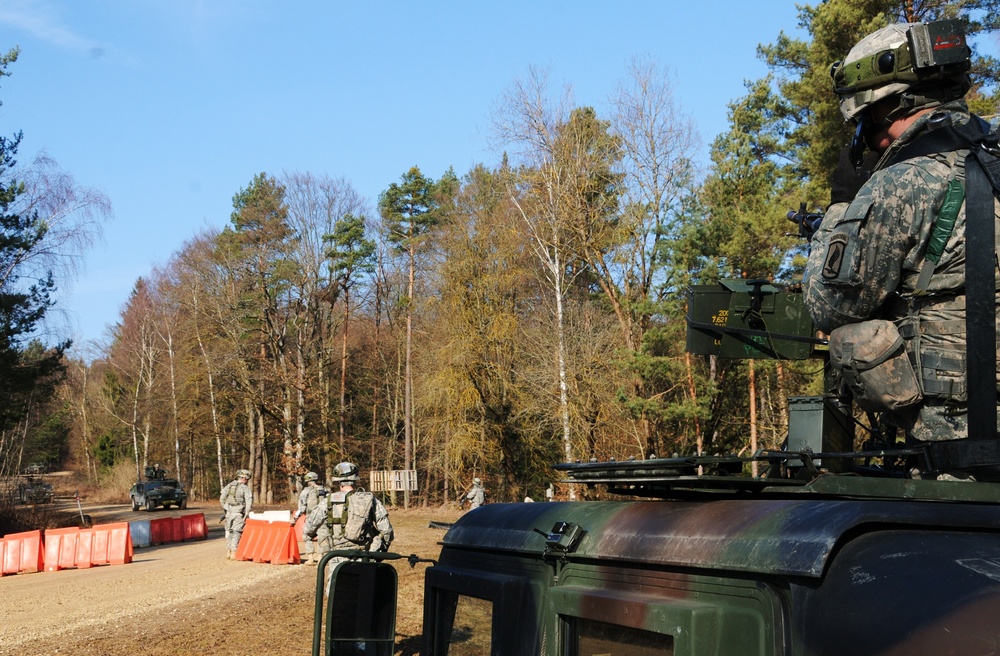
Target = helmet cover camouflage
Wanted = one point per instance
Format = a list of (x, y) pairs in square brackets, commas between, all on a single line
[(346, 472), (894, 61)]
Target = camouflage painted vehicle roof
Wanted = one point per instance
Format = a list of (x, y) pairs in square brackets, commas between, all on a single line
[(790, 534)]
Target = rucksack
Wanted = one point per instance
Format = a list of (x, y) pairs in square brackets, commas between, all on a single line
[(356, 509)]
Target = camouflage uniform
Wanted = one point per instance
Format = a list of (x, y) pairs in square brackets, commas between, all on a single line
[(867, 257), (476, 496), (309, 500), (236, 500), (346, 509), (377, 534)]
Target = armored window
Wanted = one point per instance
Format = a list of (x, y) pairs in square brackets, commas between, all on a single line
[(592, 638)]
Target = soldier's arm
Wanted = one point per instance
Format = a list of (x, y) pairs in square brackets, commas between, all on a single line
[(301, 509), (860, 249), (315, 519), (383, 525)]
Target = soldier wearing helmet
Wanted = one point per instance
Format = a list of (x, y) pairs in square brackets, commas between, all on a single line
[(889, 257), (475, 496), (236, 500), (309, 498), (356, 519)]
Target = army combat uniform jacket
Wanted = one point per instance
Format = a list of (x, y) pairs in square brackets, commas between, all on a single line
[(308, 500), (869, 261), (476, 496), (236, 500), (357, 520)]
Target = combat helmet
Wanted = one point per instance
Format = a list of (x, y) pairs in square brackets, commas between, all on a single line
[(311, 476), (244, 473), (924, 64), (346, 472), (477, 481)]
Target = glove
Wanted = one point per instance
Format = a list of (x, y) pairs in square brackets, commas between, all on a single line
[(847, 180)]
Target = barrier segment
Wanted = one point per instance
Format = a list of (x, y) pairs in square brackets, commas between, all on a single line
[(286, 546), (60, 548), (161, 530), (266, 546), (194, 527), (268, 542), (84, 549), (253, 535), (22, 552), (119, 544), (100, 545), (141, 532)]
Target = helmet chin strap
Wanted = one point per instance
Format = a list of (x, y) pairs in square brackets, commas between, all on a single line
[(908, 102)]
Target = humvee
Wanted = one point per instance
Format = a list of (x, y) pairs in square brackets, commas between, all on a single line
[(829, 551), (34, 490), (157, 491)]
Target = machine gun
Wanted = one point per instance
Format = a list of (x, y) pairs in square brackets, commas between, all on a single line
[(755, 319), (808, 222)]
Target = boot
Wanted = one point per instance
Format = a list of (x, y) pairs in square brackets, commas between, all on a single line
[(230, 555), (312, 560)]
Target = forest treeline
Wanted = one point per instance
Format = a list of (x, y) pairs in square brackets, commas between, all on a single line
[(485, 323)]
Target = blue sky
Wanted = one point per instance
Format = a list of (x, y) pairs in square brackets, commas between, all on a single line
[(171, 106)]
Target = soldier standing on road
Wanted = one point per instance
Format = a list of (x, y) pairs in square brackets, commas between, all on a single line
[(476, 496), (309, 499), (236, 500), (356, 519)]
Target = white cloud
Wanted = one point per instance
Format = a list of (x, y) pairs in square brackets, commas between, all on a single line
[(39, 19)]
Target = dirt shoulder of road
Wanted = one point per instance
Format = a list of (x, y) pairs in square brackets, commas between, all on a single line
[(186, 598)]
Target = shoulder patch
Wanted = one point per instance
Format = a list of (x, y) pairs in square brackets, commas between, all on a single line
[(836, 246)]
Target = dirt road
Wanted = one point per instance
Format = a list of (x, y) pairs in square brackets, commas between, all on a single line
[(187, 598)]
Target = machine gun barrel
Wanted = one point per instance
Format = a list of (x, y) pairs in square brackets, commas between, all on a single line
[(808, 222)]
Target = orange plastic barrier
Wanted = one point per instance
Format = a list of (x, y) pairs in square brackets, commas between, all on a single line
[(286, 545), (84, 549), (119, 543), (253, 535), (300, 525), (104, 544), (22, 552), (268, 542), (100, 545), (60, 548)]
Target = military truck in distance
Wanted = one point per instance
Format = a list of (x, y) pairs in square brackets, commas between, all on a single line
[(157, 491), (829, 551), (34, 490)]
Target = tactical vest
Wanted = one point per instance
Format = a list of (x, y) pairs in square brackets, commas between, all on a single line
[(948, 374), (231, 495)]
